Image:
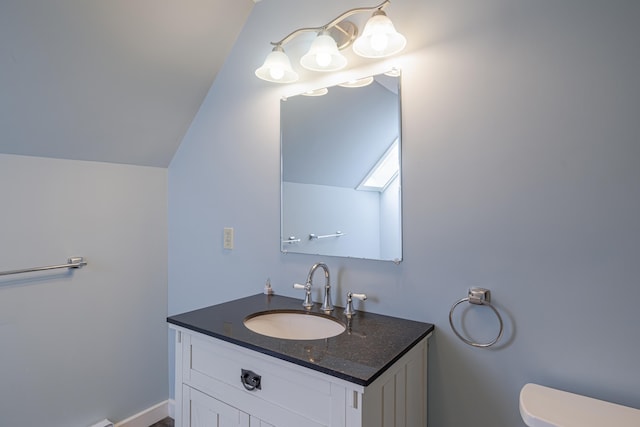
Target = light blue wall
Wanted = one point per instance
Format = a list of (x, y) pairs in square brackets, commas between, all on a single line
[(78, 347), (521, 151)]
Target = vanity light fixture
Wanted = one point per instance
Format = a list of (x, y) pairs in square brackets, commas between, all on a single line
[(277, 67), (378, 40), (323, 55)]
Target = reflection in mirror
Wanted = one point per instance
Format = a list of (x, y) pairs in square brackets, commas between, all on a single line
[(341, 175)]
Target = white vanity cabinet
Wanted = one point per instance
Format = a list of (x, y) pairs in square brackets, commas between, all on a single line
[(209, 391)]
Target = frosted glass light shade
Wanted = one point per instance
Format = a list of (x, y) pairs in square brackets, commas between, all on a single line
[(277, 68), (323, 55), (379, 38)]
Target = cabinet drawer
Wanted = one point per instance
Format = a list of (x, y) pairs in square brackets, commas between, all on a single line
[(215, 367)]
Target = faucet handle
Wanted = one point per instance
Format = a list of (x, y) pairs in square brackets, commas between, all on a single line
[(306, 303), (349, 311)]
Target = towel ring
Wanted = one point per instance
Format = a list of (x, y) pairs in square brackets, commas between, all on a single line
[(478, 296)]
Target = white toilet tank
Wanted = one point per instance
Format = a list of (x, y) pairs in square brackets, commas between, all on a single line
[(547, 407)]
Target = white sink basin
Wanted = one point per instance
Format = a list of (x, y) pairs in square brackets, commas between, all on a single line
[(294, 325)]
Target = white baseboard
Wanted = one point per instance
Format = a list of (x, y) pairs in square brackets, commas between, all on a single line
[(172, 408), (150, 415)]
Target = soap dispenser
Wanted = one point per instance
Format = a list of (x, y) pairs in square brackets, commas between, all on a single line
[(268, 290)]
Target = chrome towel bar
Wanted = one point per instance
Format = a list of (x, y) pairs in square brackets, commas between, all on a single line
[(73, 262), (336, 234), (291, 240)]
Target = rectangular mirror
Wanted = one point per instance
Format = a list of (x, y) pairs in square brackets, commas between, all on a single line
[(341, 171)]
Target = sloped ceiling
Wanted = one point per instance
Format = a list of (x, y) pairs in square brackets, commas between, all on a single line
[(109, 80)]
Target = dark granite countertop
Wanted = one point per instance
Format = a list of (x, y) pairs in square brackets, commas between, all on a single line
[(369, 346)]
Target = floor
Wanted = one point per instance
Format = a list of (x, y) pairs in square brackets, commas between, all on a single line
[(167, 422)]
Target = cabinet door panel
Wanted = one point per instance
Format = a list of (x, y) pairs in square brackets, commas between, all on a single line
[(255, 422), (202, 410)]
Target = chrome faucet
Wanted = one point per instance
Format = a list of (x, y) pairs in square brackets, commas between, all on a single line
[(326, 303)]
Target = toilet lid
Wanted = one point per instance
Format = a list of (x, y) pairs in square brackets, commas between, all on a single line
[(546, 407)]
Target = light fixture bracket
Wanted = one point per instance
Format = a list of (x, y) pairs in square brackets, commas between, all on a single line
[(344, 33)]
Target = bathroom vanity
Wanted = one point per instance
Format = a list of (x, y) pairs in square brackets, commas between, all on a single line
[(373, 374)]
